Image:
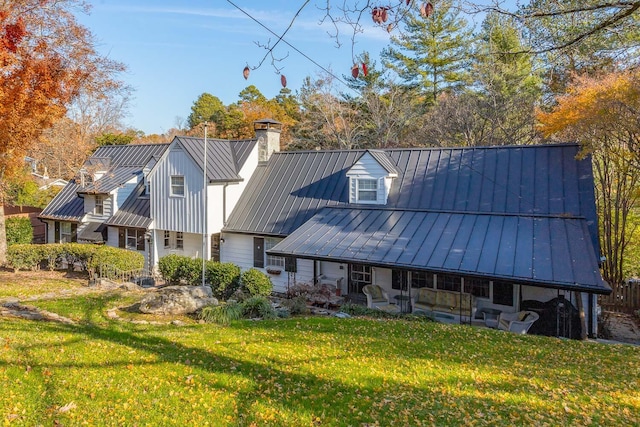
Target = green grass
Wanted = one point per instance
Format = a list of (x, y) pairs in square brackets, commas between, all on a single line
[(303, 371)]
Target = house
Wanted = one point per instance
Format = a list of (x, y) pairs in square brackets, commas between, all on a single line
[(505, 225), (107, 182), (149, 198)]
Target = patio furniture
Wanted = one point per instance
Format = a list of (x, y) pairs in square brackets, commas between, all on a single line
[(490, 316), (518, 323), (447, 302), (379, 298), (404, 302)]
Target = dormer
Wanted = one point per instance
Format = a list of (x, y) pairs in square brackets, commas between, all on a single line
[(370, 178)]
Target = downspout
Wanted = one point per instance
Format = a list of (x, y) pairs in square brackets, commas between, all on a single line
[(224, 204)]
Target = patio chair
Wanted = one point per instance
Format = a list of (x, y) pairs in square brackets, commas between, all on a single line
[(379, 298), (518, 323)]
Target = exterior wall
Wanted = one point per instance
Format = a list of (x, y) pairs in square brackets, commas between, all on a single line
[(112, 240), (234, 191), (177, 213), (122, 193), (90, 205), (238, 249)]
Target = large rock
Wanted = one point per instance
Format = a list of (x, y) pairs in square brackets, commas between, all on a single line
[(178, 300)]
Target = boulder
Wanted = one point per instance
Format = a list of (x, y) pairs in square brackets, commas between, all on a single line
[(177, 300)]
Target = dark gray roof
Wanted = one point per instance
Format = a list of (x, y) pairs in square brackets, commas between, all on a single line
[(92, 232), (542, 250), (531, 180), (384, 160), (113, 179), (225, 158), (122, 161), (135, 212), (66, 206)]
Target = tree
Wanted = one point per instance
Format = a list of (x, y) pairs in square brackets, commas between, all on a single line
[(207, 108), (603, 114), (46, 58), (432, 54)]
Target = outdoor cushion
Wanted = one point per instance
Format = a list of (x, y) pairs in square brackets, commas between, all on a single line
[(427, 296), (523, 315), (448, 299), (375, 292)]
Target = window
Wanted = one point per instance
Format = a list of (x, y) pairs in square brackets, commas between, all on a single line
[(99, 208), (273, 261), (421, 279), (448, 282), (177, 185), (502, 293), (359, 276), (367, 190), (476, 287), (65, 232), (167, 239), (399, 280), (179, 240), (134, 239)]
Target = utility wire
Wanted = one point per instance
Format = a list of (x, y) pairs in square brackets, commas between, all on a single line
[(280, 38)]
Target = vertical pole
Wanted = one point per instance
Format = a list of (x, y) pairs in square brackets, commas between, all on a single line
[(204, 206)]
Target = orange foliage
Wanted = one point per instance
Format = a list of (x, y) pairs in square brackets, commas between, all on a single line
[(597, 107), (45, 57)]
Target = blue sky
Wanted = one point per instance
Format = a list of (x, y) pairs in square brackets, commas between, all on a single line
[(176, 50)]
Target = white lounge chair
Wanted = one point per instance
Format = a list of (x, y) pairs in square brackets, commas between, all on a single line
[(379, 298), (518, 323)]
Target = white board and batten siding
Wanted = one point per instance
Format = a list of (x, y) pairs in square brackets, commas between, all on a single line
[(177, 213), (238, 249)]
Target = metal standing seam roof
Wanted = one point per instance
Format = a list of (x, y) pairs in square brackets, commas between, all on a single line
[(541, 250), (135, 212), (66, 205), (225, 158), (92, 232), (540, 180), (123, 161)]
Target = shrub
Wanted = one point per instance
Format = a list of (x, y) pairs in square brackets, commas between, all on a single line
[(81, 253), (122, 259), (297, 305), (222, 314), (258, 306), (168, 266), (23, 257), (224, 278), (256, 283), (177, 269), (190, 271), (361, 310), (19, 231)]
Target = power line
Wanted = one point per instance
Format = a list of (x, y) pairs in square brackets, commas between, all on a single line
[(281, 38)]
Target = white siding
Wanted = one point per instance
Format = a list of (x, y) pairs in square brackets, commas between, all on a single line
[(89, 207), (122, 193), (172, 212), (368, 168), (234, 191), (238, 249)]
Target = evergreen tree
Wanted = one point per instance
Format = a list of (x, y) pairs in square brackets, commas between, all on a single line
[(206, 108), (432, 54)]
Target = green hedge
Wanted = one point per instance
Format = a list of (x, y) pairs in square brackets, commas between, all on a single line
[(19, 231), (224, 278), (31, 257), (256, 283)]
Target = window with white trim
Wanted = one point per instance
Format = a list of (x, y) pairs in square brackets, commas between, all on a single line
[(177, 185), (366, 190), (167, 239), (99, 206), (134, 239), (273, 261), (65, 232), (179, 240)]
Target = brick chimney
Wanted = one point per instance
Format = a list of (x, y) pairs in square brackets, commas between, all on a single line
[(268, 135)]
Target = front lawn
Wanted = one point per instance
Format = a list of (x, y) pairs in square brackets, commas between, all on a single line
[(304, 371)]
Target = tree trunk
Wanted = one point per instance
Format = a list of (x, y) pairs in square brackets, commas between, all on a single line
[(3, 236), (583, 321)]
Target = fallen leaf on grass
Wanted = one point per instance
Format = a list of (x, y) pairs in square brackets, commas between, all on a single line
[(66, 408)]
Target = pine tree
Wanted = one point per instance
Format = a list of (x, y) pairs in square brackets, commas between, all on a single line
[(432, 54)]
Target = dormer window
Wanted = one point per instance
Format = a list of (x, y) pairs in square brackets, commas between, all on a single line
[(366, 190)]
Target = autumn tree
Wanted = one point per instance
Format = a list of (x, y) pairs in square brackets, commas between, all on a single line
[(603, 114), (46, 58)]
